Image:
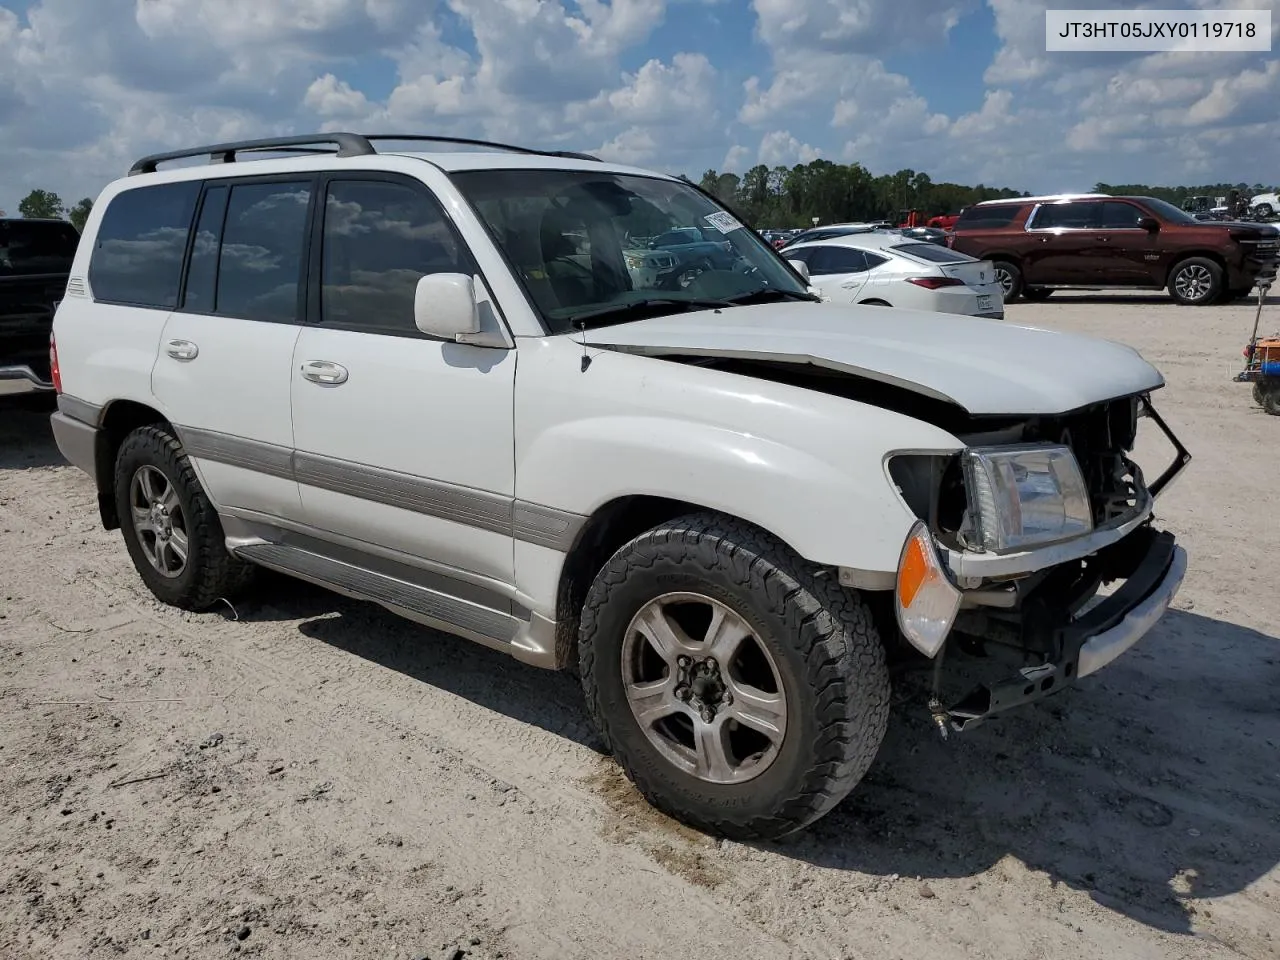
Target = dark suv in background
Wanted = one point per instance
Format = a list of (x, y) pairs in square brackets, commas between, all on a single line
[(35, 261), (1093, 240)]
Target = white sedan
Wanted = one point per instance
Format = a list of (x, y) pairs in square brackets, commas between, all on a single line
[(889, 270)]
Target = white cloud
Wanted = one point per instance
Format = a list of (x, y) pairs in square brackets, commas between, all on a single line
[(780, 147), (86, 88)]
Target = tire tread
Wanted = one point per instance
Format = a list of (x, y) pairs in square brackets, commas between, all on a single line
[(830, 626)]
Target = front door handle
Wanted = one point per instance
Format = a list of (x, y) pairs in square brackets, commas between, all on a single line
[(182, 350), (322, 371)]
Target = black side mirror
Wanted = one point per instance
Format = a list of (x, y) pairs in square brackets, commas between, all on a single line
[(1150, 224)]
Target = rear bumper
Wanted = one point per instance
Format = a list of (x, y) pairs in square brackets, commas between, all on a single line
[(1085, 644), (76, 440), (21, 379)]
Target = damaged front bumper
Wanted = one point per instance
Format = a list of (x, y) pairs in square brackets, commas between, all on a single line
[(1083, 644), (1061, 621)]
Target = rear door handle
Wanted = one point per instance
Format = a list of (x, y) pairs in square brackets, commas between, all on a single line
[(323, 371), (182, 350)]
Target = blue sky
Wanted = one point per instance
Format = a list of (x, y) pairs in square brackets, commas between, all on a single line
[(960, 89)]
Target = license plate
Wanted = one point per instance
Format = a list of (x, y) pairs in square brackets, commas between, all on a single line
[(984, 303)]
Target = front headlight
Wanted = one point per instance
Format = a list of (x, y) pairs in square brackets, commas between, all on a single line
[(1024, 496)]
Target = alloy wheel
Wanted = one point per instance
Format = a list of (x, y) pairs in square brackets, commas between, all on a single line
[(704, 689), (159, 521), (1193, 282), (1005, 279)]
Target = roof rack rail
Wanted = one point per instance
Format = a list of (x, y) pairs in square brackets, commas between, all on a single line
[(344, 144), (348, 145), (465, 141)]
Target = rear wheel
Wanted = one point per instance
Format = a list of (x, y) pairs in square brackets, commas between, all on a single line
[(741, 693), (170, 528), (1196, 282), (1271, 398), (1010, 279)]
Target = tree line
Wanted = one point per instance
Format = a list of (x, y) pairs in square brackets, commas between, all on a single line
[(785, 197), (46, 205)]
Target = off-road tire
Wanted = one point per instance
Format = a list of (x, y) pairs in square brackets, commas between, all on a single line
[(830, 658), (211, 573), (1212, 290), (1037, 294), (1014, 286), (1271, 399)]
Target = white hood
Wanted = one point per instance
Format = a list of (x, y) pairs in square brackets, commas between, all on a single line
[(984, 366)]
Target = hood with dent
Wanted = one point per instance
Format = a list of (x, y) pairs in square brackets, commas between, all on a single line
[(982, 366)]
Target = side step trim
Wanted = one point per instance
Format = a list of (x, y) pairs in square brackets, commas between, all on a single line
[(423, 605)]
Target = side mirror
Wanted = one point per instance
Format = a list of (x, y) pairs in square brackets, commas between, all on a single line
[(444, 305), (800, 267), (1149, 223)]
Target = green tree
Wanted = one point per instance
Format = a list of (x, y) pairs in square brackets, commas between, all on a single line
[(41, 204), (80, 213)]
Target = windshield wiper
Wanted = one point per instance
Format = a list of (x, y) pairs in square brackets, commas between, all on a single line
[(770, 293), (621, 312)]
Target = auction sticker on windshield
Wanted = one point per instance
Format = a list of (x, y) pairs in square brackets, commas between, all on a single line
[(724, 222)]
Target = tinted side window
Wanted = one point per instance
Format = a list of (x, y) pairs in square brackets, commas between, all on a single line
[(260, 264), (1078, 215), (833, 260), (380, 238), (35, 247), (874, 260), (137, 253), (985, 218), (1118, 215), (202, 272)]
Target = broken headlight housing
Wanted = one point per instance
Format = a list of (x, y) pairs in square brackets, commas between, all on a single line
[(1023, 496)]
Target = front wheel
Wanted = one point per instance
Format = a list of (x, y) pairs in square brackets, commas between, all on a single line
[(1196, 282), (740, 692)]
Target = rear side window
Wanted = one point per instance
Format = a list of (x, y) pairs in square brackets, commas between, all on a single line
[(260, 262), (828, 261), (202, 273), (933, 253), (986, 218), (137, 253), (1073, 216), (34, 247)]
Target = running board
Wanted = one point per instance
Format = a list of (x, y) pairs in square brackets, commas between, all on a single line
[(432, 608)]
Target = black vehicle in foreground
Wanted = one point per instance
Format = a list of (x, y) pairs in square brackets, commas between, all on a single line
[(35, 264)]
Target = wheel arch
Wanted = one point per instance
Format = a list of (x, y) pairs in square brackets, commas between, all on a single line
[(118, 419), (616, 523), (1185, 255)]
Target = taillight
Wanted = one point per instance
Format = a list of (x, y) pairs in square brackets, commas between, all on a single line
[(933, 283), (54, 373)]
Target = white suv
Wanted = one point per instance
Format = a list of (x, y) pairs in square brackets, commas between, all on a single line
[(429, 380)]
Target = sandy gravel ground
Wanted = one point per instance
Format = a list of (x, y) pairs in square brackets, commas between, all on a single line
[(308, 777)]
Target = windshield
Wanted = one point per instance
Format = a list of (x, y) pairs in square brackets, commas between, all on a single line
[(35, 247), (592, 248), (1168, 211)]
